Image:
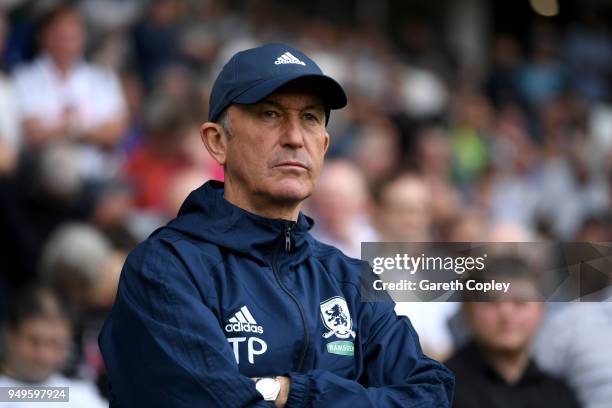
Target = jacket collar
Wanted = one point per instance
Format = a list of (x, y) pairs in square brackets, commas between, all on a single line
[(207, 216)]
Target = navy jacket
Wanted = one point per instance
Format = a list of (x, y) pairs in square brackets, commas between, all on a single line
[(220, 295)]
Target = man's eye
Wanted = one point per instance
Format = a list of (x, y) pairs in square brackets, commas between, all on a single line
[(311, 117), (270, 114)]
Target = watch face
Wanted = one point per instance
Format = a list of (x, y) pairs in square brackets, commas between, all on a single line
[(268, 387)]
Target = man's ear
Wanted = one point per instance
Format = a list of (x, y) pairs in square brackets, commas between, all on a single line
[(326, 142), (214, 138)]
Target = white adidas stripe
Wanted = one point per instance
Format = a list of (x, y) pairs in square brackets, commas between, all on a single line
[(242, 316), (248, 315), (288, 58)]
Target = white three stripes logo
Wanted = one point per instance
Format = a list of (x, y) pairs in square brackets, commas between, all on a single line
[(288, 58), (243, 321), (242, 316)]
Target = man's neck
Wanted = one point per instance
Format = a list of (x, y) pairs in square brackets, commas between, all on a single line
[(262, 207), (509, 365), (63, 67)]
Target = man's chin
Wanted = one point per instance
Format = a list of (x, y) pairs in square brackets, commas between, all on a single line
[(290, 192), (508, 347)]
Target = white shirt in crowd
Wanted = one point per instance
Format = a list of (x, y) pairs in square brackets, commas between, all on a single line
[(9, 120), (91, 93), (574, 344)]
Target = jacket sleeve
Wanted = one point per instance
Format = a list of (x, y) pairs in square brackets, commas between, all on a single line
[(163, 347), (396, 373)]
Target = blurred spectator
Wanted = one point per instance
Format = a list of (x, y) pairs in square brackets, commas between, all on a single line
[(62, 97), (9, 125), (112, 214), (403, 214), (542, 76), (588, 54), (403, 209), (156, 38), (376, 150), (470, 133), (82, 265), (575, 345), (181, 185), (111, 15), (470, 226), (341, 203), (514, 193), (595, 229), (208, 26), (570, 191), (434, 160), (164, 153), (37, 336), (508, 231), (495, 369), (47, 190), (501, 83)]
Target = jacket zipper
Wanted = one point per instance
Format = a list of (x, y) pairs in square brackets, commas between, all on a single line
[(287, 236)]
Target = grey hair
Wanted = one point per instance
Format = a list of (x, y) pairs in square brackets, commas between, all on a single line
[(223, 120), (75, 252)]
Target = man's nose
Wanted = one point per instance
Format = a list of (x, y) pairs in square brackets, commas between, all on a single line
[(292, 132), (507, 308)]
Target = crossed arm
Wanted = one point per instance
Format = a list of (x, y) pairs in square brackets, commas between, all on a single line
[(160, 331)]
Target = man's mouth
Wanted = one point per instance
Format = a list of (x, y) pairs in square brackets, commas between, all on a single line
[(290, 164)]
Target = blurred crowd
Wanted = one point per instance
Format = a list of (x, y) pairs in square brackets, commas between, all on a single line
[(100, 107)]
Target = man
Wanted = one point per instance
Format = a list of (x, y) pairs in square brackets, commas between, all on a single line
[(37, 336), (341, 203), (233, 303), (62, 98), (495, 369), (404, 213), (580, 352)]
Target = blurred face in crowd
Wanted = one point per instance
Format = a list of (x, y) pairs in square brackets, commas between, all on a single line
[(434, 152), (37, 348), (275, 151), (64, 38), (341, 194), (404, 210), (377, 140), (504, 327)]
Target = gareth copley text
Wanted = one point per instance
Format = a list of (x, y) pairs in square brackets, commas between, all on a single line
[(456, 285)]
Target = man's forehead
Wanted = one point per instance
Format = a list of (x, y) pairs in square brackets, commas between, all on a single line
[(295, 97)]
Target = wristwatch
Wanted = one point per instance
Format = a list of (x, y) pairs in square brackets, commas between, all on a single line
[(269, 387)]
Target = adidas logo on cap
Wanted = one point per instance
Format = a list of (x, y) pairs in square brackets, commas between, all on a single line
[(243, 321), (288, 58)]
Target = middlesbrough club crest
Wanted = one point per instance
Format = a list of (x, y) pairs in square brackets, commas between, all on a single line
[(337, 318)]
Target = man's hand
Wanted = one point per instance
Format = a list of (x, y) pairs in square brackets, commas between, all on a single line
[(285, 383), (283, 394)]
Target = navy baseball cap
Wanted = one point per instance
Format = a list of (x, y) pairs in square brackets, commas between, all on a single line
[(251, 75)]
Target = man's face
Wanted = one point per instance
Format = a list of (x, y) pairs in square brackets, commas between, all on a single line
[(64, 38), (277, 146), (405, 210), (505, 327), (37, 348)]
